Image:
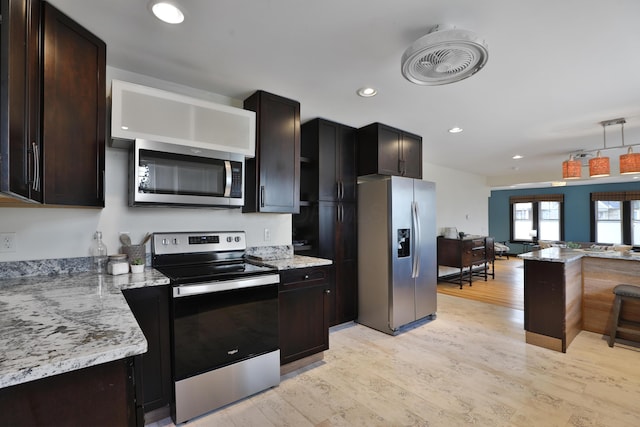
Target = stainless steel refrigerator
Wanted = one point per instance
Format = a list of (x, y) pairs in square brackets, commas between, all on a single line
[(397, 272)]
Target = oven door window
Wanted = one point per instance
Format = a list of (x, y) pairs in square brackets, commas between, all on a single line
[(217, 329), (170, 173)]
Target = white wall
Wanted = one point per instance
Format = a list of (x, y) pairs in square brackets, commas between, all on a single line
[(462, 199), (43, 233)]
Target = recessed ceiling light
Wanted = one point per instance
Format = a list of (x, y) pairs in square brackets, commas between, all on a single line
[(455, 130), (517, 157), (167, 12), (367, 92)]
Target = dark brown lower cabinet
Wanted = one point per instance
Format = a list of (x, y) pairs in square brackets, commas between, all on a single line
[(552, 302), (304, 303), (101, 395), (150, 306), (337, 240)]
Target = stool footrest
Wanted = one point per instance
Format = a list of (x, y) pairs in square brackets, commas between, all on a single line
[(628, 330), (624, 293)]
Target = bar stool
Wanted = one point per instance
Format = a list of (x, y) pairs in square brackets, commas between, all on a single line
[(623, 293)]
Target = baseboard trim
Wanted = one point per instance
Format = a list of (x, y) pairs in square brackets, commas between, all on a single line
[(544, 341)]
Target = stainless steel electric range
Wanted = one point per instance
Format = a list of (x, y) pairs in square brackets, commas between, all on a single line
[(224, 320)]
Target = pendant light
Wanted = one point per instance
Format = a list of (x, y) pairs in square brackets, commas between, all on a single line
[(571, 169), (599, 166), (630, 162)]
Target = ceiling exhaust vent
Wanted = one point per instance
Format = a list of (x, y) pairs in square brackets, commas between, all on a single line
[(445, 55)]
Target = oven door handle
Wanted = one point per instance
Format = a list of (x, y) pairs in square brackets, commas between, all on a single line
[(225, 285)]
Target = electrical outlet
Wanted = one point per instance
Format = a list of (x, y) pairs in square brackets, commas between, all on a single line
[(7, 242), (267, 234)]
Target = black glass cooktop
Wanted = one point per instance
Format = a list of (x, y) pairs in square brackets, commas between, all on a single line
[(209, 272)]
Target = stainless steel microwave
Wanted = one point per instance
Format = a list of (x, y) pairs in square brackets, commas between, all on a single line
[(162, 174)]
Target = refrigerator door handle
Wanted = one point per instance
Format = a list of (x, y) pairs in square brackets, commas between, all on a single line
[(415, 217)]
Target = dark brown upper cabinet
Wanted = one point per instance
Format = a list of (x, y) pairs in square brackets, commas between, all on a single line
[(332, 147), (20, 145), (53, 105), (272, 177), (385, 150)]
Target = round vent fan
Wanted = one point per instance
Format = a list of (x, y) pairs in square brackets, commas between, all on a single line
[(443, 56)]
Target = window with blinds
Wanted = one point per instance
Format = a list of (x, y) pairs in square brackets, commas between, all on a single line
[(615, 217), (537, 217)]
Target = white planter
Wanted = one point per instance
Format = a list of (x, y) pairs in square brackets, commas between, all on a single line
[(137, 268)]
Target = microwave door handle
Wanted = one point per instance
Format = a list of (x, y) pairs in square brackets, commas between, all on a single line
[(227, 174)]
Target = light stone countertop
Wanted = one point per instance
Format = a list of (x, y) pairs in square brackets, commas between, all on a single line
[(566, 255), (55, 324), (297, 261)]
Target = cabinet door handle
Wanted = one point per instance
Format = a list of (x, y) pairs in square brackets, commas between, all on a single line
[(36, 167), (306, 277), (341, 190), (327, 291), (262, 196)]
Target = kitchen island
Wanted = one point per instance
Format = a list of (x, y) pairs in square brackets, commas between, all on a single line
[(76, 325), (570, 290)]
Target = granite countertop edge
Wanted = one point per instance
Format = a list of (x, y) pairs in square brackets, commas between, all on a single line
[(55, 324), (297, 261), (564, 255)]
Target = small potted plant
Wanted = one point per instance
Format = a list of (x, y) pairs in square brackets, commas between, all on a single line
[(137, 265)]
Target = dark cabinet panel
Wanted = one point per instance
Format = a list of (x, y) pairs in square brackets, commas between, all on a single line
[(325, 155), (385, 150), (336, 158), (338, 242), (53, 106), (412, 155), (272, 178), (150, 306), (389, 143), (328, 223), (100, 395), (20, 145), (544, 298), (73, 117), (304, 312)]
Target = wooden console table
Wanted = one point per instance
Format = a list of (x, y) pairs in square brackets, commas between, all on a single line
[(465, 254)]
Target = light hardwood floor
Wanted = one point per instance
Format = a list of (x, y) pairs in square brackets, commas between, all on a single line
[(469, 366), (505, 289)]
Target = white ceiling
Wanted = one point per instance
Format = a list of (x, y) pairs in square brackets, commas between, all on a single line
[(556, 69)]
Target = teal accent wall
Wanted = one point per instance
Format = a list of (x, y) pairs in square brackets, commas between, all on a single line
[(577, 199)]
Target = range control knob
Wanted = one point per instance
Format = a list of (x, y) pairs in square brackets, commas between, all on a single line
[(229, 239), (237, 239), (176, 241), (165, 242)]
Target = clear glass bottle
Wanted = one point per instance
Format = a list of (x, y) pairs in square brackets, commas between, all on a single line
[(99, 254)]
